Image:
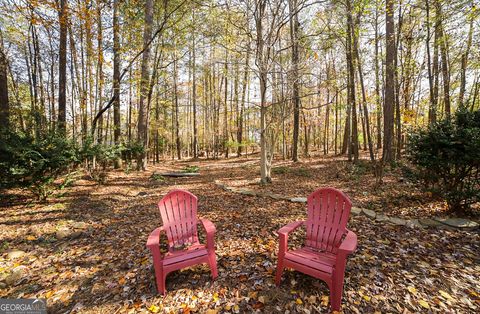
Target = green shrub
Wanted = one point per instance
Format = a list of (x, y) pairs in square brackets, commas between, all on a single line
[(35, 164), (303, 172), (447, 158), (280, 170), (104, 154), (191, 169), (157, 177)]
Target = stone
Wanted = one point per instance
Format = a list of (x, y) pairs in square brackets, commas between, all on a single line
[(381, 217), (356, 210), (413, 223), (63, 233), (17, 274), (369, 213), (276, 196), (298, 199), (427, 222), (3, 285), (14, 254), (75, 235), (397, 221), (248, 192), (460, 223), (79, 225)]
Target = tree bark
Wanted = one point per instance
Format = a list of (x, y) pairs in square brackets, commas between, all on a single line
[(62, 69), (116, 81), (4, 103), (464, 61), (353, 149), (194, 92), (142, 135), (294, 25), (388, 118), (444, 58)]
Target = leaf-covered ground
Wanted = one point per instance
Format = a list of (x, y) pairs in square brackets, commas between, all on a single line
[(85, 250)]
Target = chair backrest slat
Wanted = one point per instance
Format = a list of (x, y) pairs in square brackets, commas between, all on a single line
[(178, 210), (328, 212)]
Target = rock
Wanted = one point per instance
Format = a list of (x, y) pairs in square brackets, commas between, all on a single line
[(397, 221), (427, 222), (381, 217), (14, 254), (369, 213), (247, 192), (413, 223), (459, 223), (298, 199), (3, 285), (79, 225), (62, 233), (75, 234), (17, 274), (356, 210), (275, 196)]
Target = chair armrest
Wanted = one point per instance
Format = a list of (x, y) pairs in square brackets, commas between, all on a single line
[(349, 244), (154, 238), (284, 232), (210, 230)]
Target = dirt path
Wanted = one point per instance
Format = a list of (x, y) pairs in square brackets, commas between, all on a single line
[(103, 266)]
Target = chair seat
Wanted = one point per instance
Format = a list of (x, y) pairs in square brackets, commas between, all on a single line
[(321, 261), (194, 251)]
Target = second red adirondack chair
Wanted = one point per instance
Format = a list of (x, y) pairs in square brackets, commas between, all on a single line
[(328, 242), (179, 215)]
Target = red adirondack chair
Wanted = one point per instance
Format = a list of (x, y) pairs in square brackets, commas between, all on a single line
[(179, 215), (328, 242)]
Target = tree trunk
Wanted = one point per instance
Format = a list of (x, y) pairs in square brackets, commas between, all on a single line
[(175, 91), (261, 60), (4, 103), (62, 69), (364, 100), (142, 135), (432, 109), (100, 78), (116, 81), (194, 92), (388, 117), (294, 25), (444, 56), (242, 103), (353, 149), (463, 78)]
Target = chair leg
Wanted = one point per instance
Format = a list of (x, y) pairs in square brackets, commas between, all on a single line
[(160, 279), (212, 261), (278, 274), (336, 292)]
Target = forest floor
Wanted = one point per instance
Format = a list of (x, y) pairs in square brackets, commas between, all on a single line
[(85, 251)]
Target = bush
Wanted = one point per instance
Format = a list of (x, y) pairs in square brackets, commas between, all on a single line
[(191, 169), (35, 164), (103, 154), (447, 158)]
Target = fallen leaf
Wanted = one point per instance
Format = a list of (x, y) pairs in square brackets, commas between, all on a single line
[(153, 308), (412, 290), (122, 281), (445, 295), (424, 304)]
